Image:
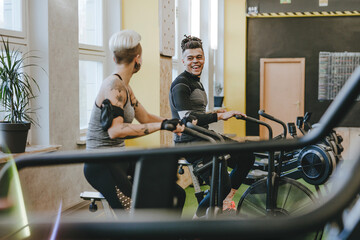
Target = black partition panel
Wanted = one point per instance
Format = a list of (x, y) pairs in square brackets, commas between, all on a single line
[(297, 37)]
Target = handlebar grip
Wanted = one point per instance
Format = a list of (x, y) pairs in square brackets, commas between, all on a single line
[(262, 113), (197, 134), (241, 117), (254, 120), (247, 118), (205, 131), (307, 116), (169, 127)]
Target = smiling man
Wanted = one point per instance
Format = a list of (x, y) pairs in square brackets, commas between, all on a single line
[(188, 98)]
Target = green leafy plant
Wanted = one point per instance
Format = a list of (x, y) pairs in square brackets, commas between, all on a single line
[(16, 86)]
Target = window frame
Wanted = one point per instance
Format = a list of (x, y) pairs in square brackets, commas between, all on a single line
[(93, 58), (18, 34), (95, 53), (95, 48), (17, 40), (214, 64)]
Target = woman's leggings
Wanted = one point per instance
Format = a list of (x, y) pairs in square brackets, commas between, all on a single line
[(105, 178)]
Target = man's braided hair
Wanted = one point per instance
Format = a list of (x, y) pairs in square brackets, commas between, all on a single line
[(190, 42)]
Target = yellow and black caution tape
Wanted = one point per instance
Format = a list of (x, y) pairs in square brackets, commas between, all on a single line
[(304, 14)]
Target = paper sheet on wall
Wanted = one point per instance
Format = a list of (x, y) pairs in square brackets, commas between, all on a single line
[(323, 3)]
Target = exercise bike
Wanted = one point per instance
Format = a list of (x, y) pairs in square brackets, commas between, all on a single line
[(317, 162), (218, 168), (275, 195), (314, 163)]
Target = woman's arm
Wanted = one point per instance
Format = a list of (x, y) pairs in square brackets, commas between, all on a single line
[(141, 114), (118, 129)]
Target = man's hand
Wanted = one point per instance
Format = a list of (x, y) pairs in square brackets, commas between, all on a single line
[(221, 110), (176, 125), (189, 118), (226, 115)]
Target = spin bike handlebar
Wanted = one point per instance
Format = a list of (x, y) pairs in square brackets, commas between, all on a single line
[(200, 131), (205, 131), (265, 115), (268, 116), (254, 120), (216, 164), (191, 132), (269, 195)]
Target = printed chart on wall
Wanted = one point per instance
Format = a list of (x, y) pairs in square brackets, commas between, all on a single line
[(334, 69)]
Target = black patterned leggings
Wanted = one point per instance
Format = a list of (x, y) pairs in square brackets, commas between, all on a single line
[(108, 177)]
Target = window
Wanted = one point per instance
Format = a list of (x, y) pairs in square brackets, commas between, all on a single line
[(12, 17), (214, 8), (90, 22), (12, 25), (91, 56), (15, 57), (202, 19), (195, 18), (90, 82)]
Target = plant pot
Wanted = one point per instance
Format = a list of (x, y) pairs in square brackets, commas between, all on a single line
[(218, 101), (13, 137)]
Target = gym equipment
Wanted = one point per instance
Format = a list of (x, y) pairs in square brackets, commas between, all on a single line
[(317, 162), (92, 197), (276, 195), (217, 164), (314, 163), (263, 197), (341, 202), (199, 194)]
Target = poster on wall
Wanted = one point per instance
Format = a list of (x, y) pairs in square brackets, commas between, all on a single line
[(323, 3), (285, 1), (335, 68)]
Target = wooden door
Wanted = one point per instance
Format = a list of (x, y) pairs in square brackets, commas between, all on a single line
[(282, 91)]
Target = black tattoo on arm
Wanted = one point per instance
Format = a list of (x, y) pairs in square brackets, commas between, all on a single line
[(146, 131), (120, 98), (118, 86), (143, 131)]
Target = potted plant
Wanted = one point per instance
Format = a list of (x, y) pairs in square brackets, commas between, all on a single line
[(218, 99), (16, 91)]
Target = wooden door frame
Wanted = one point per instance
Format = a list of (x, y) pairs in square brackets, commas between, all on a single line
[(263, 61)]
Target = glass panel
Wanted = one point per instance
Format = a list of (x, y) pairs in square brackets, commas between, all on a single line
[(195, 18), (11, 15), (214, 24), (90, 22), (91, 76), (174, 73)]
